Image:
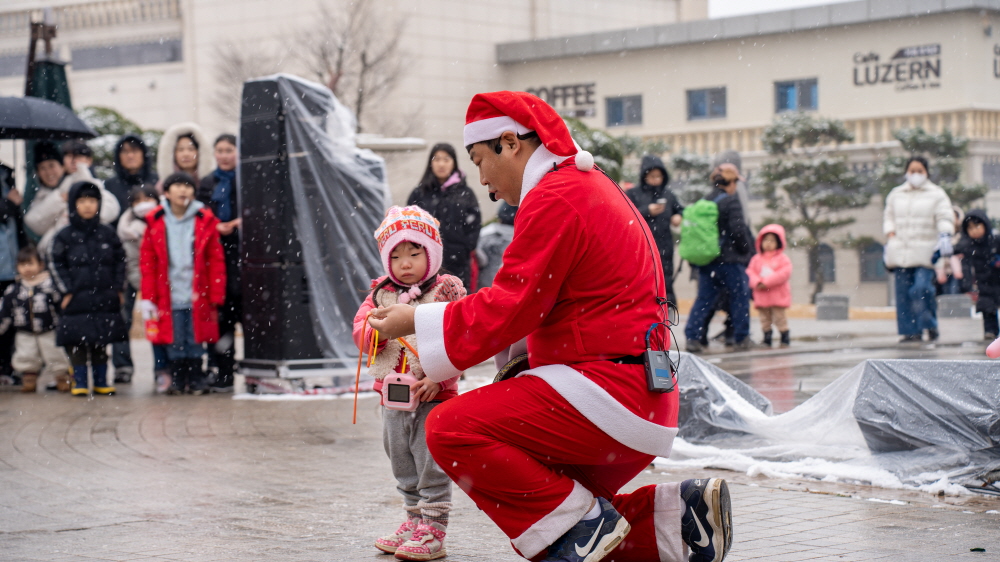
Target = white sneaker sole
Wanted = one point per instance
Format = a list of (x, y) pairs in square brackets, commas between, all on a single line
[(609, 541), (421, 557), (720, 517)]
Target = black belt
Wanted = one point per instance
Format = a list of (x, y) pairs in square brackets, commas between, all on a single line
[(630, 360)]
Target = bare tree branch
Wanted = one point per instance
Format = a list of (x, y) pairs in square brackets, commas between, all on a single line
[(234, 65)]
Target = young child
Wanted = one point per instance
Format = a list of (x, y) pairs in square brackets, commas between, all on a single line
[(769, 272), (980, 252), (31, 306), (142, 199), (410, 245), (183, 281), (88, 263)]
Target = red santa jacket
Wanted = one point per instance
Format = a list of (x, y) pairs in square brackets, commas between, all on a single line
[(579, 280), (209, 283)]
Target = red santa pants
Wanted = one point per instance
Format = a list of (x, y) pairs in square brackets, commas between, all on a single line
[(533, 463)]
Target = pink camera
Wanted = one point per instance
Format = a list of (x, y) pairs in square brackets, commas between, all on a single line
[(396, 393)]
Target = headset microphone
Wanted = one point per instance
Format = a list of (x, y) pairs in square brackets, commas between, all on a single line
[(493, 197), (498, 149)]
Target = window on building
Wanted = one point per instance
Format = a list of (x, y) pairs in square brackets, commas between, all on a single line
[(163, 51), (624, 110), (796, 95), (872, 265), (991, 172), (822, 255), (706, 104)]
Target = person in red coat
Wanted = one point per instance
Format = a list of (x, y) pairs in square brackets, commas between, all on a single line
[(183, 281), (544, 454)]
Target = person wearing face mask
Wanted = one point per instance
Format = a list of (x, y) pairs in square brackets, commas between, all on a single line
[(183, 281), (918, 221)]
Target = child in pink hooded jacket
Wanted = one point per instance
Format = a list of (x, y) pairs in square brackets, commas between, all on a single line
[(769, 272)]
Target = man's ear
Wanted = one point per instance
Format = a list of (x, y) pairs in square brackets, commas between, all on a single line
[(509, 139)]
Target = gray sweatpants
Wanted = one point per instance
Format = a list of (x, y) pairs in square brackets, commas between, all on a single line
[(425, 487)]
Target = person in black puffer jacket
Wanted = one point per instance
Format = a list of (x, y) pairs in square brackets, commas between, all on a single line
[(659, 206), (444, 194), (88, 263), (979, 249)]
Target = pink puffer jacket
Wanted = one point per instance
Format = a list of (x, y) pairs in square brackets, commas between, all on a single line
[(773, 269)]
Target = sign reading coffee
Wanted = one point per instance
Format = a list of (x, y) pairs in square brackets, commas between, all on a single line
[(573, 100), (910, 68)]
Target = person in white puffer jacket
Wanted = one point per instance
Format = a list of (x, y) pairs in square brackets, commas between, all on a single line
[(918, 221)]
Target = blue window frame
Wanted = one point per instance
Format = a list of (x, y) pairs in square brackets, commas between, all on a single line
[(709, 103), (796, 95), (624, 110)]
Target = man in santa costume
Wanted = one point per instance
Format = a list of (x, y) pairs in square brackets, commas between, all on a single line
[(544, 454)]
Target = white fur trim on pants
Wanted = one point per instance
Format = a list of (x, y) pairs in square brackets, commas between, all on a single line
[(429, 322), (548, 529), (668, 508), (604, 411)]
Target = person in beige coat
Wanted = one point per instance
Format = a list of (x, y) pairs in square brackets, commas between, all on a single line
[(918, 221)]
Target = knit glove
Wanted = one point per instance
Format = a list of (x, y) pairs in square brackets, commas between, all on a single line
[(148, 310), (944, 245)]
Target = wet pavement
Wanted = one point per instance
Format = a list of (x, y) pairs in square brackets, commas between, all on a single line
[(143, 477)]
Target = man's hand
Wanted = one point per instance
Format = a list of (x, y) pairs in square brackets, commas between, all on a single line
[(15, 197), (227, 228), (65, 301), (425, 389), (676, 220), (656, 209), (393, 322)]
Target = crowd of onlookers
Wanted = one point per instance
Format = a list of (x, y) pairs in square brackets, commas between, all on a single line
[(933, 248), (74, 260)]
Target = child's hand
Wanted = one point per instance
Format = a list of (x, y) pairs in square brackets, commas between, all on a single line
[(761, 286), (425, 389), (65, 301)]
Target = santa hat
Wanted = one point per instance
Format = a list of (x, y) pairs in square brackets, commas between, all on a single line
[(493, 114), (414, 225)]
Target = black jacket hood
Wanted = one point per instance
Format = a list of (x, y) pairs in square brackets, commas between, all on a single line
[(92, 189), (978, 215), (145, 174), (650, 162)]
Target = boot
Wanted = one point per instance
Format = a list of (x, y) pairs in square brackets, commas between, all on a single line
[(786, 339), (29, 382), (81, 386), (180, 377), (164, 380), (64, 382), (766, 342), (101, 385), (196, 377)]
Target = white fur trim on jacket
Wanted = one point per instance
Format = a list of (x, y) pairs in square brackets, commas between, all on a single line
[(548, 529), (667, 511), (492, 128), (605, 412), (541, 162), (165, 152), (429, 322)]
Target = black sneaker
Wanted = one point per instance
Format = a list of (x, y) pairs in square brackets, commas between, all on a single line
[(591, 540), (707, 525), (933, 335), (123, 375), (744, 345), (911, 338), (221, 384), (694, 347)]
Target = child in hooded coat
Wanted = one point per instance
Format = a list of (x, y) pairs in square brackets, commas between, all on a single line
[(88, 263), (411, 249), (979, 249), (769, 272)]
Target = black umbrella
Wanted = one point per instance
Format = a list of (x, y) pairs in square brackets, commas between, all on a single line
[(37, 119)]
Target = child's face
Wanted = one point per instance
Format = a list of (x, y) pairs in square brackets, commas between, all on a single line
[(86, 207), (29, 269), (975, 230), (409, 263), (180, 195), (142, 199), (769, 243)]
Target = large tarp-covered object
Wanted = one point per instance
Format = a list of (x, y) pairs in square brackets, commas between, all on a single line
[(894, 423), (340, 196)]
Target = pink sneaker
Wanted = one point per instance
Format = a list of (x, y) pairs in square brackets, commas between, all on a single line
[(427, 543), (390, 543)]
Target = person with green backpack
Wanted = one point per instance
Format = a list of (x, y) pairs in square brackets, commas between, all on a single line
[(715, 238)]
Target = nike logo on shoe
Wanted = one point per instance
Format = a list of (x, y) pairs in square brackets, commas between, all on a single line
[(702, 536), (590, 544)]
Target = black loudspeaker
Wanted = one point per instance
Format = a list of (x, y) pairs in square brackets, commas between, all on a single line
[(276, 318)]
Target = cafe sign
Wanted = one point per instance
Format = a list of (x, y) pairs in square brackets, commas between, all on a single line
[(571, 100), (910, 68)]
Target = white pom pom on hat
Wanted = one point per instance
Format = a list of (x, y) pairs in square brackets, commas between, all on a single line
[(492, 114)]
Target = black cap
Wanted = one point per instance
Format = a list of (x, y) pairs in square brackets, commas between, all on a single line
[(46, 150)]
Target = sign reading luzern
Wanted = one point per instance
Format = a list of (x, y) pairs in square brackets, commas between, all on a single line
[(911, 68), (572, 100)]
